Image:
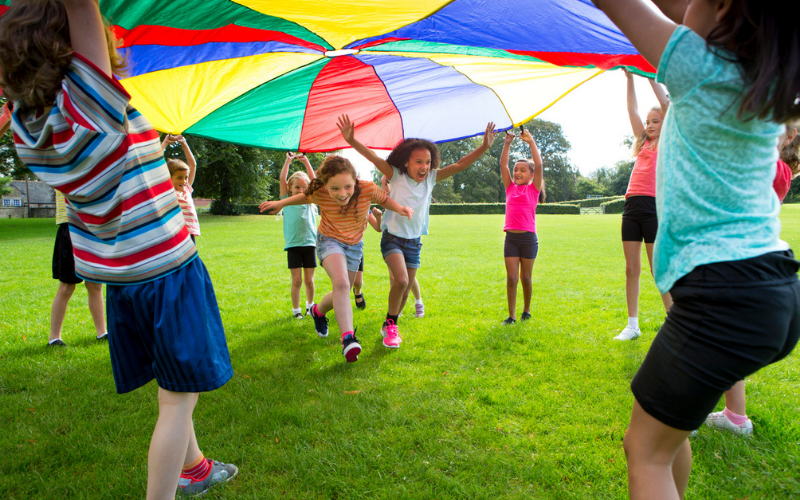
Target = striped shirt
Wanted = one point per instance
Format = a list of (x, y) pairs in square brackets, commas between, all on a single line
[(125, 222), (347, 228), (187, 207)]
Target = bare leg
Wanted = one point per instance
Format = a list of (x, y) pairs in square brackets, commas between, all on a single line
[(512, 278), (358, 282), (59, 309), (735, 400), (399, 287), (526, 273), (666, 298), (297, 281), (415, 289), (193, 450), (339, 298), (659, 458), (96, 306), (633, 268), (170, 443), (308, 279)]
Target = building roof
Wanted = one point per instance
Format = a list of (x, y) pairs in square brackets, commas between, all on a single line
[(40, 192)]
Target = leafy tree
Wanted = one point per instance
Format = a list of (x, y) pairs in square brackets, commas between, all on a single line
[(615, 179), (4, 187), (10, 164), (585, 187)]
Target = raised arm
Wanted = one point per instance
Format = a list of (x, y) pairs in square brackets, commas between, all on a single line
[(463, 163), (505, 174), (538, 173), (661, 95), (309, 168), (189, 158), (647, 30), (276, 206), (168, 139), (284, 186), (347, 128), (87, 33), (633, 107)]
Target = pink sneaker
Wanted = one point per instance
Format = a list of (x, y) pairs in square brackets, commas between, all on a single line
[(391, 337)]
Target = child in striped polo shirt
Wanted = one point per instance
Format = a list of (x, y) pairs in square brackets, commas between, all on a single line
[(181, 175), (75, 129), (343, 202)]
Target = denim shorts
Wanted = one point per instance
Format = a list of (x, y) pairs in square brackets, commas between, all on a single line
[(411, 249), (329, 246)]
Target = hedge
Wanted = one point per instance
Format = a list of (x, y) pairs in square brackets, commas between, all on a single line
[(614, 207), (464, 208), (594, 202)]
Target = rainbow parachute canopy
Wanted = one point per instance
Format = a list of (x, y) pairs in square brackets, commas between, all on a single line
[(277, 74)]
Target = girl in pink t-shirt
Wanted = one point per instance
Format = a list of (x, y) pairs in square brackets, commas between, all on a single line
[(639, 218), (524, 190)]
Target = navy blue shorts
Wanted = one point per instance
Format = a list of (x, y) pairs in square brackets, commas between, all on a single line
[(728, 320), (169, 329), (410, 248)]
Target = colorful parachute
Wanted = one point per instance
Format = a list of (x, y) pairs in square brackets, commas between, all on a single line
[(277, 74)]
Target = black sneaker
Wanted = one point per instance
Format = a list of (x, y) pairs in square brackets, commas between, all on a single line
[(320, 324), (363, 303), (297, 315), (509, 321), (525, 316), (57, 343), (351, 348)]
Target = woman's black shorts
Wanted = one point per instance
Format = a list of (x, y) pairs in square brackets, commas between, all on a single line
[(63, 259), (639, 219), (728, 320), (304, 257), (523, 245)]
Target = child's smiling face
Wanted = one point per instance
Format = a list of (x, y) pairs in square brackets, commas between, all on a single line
[(180, 179), (522, 173), (341, 187), (298, 186), (419, 164)]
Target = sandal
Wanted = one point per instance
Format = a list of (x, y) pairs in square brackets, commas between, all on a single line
[(363, 303)]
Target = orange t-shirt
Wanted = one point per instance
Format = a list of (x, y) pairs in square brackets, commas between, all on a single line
[(643, 177), (348, 228)]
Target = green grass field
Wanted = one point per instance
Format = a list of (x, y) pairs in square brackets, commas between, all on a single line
[(466, 409)]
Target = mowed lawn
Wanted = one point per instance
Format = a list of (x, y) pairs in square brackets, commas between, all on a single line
[(466, 408)]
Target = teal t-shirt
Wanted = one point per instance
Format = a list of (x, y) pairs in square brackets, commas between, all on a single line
[(299, 226), (409, 193), (714, 172)]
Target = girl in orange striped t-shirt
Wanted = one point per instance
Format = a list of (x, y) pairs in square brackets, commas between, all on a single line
[(343, 202)]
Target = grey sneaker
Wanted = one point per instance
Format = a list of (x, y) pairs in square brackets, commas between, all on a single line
[(220, 473)]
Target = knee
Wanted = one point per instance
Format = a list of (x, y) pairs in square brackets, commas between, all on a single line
[(182, 401), (401, 283), (94, 288), (65, 290), (633, 269), (309, 282), (512, 280), (358, 283), (341, 285), (527, 281), (296, 282)]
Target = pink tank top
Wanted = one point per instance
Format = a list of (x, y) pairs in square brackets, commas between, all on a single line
[(643, 177)]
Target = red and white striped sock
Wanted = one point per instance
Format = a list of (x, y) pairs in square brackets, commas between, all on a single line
[(197, 470)]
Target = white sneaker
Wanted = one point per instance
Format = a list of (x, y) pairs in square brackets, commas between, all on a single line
[(720, 420), (628, 333)]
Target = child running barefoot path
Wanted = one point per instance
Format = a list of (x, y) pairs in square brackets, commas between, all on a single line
[(344, 202), (524, 190), (299, 233), (733, 281), (77, 132), (412, 168)]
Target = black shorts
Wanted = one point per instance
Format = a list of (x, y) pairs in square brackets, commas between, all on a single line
[(639, 219), (728, 320), (304, 257), (63, 259), (361, 265), (523, 245)]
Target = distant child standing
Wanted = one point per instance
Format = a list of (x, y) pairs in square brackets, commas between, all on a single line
[(639, 217), (74, 127), (343, 202), (412, 168), (730, 69), (299, 233), (182, 177), (524, 191)]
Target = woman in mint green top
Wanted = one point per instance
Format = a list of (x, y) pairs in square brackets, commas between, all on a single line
[(299, 233), (718, 250)]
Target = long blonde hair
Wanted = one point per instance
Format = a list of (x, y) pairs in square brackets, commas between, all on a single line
[(641, 140)]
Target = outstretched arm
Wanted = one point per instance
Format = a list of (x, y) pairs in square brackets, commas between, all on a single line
[(309, 168), (646, 29), (87, 33), (274, 207), (504, 172), (347, 128), (661, 95), (538, 173), (633, 107), (189, 158), (284, 186), (463, 163), (392, 205)]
